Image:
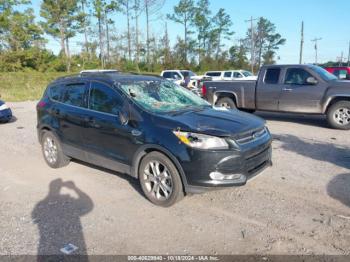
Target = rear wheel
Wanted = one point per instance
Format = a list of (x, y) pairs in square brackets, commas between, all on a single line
[(52, 151), (226, 102), (338, 115), (160, 180)]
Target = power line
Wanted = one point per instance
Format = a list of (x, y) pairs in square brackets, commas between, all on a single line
[(252, 58), (301, 43), (316, 48)]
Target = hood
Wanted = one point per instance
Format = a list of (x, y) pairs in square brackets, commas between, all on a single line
[(215, 121), (341, 83)]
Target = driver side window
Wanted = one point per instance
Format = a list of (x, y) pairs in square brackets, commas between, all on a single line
[(297, 76), (103, 98)]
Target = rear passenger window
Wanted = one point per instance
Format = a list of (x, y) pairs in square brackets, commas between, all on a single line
[(55, 92), (228, 74), (272, 75), (74, 95), (103, 98)]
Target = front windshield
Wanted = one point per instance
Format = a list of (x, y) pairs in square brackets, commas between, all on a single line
[(324, 74), (161, 95), (187, 74), (247, 73)]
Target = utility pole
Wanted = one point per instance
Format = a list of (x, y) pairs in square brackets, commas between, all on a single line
[(301, 43), (349, 55), (252, 58), (341, 59), (316, 48)]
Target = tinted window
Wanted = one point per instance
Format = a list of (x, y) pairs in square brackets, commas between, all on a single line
[(297, 76), (228, 74), (167, 75), (187, 73), (213, 74), (237, 75), (56, 92), (104, 99), (74, 94), (272, 75)]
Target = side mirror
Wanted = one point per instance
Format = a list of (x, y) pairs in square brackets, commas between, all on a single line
[(123, 118), (311, 81)]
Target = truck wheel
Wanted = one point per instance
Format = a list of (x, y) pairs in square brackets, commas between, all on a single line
[(52, 151), (160, 180), (338, 115), (226, 102)]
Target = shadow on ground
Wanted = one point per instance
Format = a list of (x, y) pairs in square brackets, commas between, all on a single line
[(339, 188), (58, 219), (312, 120), (322, 151)]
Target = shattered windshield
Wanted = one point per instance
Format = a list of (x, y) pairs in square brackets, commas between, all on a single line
[(162, 96)]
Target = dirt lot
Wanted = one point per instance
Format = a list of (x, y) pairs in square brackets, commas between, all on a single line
[(299, 206)]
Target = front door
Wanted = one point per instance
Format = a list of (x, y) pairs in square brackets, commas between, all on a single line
[(110, 143), (298, 95)]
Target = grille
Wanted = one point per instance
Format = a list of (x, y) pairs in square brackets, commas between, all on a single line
[(251, 136)]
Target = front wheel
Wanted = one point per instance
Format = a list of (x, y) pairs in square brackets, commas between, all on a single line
[(160, 180), (338, 115), (226, 102)]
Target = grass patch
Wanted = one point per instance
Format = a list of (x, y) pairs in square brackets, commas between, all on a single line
[(23, 86)]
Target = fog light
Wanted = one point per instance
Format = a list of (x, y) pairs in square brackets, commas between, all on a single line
[(219, 176)]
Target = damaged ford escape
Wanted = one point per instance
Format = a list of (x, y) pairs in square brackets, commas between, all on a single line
[(173, 141)]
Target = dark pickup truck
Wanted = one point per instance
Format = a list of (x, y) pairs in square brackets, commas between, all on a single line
[(306, 89)]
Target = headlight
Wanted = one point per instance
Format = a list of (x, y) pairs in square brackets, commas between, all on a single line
[(201, 141), (3, 107)]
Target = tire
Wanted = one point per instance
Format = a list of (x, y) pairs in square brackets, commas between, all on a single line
[(162, 186), (52, 151), (338, 115), (226, 102)]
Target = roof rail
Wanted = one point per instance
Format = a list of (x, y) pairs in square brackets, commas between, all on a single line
[(96, 71)]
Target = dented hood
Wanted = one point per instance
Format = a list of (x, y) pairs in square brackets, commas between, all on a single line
[(215, 121)]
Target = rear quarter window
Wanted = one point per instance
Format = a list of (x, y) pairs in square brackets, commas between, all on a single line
[(55, 92), (272, 75), (213, 74)]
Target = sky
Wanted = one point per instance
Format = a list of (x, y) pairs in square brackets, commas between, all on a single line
[(324, 19)]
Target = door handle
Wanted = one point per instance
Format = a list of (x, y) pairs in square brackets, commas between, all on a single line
[(287, 89), (91, 122)]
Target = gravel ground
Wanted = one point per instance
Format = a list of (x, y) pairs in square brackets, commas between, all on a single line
[(299, 206)]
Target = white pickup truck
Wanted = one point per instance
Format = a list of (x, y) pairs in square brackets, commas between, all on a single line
[(179, 77), (230, 75)]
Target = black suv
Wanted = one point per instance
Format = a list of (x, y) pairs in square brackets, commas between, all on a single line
[(173, 141)]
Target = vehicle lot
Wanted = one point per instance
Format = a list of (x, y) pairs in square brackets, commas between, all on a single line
[(299, 206)]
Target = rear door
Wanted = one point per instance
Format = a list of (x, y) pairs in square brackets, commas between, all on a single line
[(71, 112), (227, 75), (268, 89), (109, 142), (299, 96)]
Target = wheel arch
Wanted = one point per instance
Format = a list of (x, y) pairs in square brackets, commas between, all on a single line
[(146, 149), (221, 94), (334, 99)]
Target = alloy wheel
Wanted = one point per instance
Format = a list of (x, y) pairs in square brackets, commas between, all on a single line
[(50, 150), (342, 116), (158, 181)]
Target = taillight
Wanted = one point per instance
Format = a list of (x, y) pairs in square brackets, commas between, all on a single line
[(204, 90), (41, 104)]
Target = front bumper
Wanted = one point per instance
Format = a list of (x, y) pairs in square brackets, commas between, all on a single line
[(237, 165), (5, 115)]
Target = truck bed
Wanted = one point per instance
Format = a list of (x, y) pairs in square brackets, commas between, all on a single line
[(242, 91)]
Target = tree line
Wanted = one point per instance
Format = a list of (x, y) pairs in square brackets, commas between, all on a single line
[(205, 42)]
